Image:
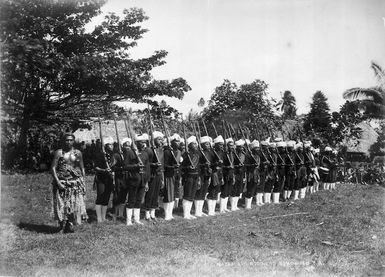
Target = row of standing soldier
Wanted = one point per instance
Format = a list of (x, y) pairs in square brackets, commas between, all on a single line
[(205, 169)]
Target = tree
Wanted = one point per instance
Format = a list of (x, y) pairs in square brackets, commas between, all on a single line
[(371, 100), (287, 105), (247, 104), (51, 64), (318, 119)]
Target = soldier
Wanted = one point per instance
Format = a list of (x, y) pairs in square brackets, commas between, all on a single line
[(316, 152), (290, 172), (325, 168), (265, 168), (137, 164), (228, 175), (281, 171), (172, 159), (104, 178), (216, 181), (310, 166), (252, 161), (300, 181), (205, 175), (272, 178), (151, 200), (121, 180), (239, 172), (190, 175), (176, 143)]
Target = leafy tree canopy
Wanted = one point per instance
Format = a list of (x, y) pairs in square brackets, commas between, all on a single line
[(247, 104), (51, 64)]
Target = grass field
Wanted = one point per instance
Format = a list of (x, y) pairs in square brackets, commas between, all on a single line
[(340, 233)]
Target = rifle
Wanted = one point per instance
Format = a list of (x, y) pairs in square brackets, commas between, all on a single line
[(271, 134), (104, 153), (235, 152), (247, 145), (225, 144), (215, 129), (152, 142), (186, 146), (131, 135), (207, 134), (118, 140), (199, 144), (168, 139)]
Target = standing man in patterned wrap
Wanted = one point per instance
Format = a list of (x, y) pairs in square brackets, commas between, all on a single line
[(216, 181), (151, 200), (68, 185), (206, 164)]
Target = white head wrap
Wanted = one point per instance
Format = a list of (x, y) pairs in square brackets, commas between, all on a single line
[(191, 140), (254, 144), (157, 134), (205, 139), (219, 139), (240, 142), (290, 143), (124, 140), (281, 144), (175, 137)]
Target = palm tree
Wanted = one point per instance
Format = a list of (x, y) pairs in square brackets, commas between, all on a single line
[(287, 105), (371, 100)]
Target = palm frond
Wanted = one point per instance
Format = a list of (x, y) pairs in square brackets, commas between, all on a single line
[(376, 94), (379, 73)]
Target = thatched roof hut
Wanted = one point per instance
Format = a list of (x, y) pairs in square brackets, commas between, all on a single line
[(368, 136)]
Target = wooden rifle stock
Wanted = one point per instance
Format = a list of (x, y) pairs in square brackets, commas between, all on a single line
[(198, 136), (168, 139), (152, 140), (185, 144), (118, 140), (131, 135), (247, 145)]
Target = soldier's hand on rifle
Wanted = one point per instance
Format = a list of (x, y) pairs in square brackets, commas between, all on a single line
[(146, 187)]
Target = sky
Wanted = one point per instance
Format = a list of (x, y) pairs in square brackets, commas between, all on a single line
[(297, 45)]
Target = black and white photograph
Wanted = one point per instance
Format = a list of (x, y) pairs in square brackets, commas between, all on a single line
[(192, 138)]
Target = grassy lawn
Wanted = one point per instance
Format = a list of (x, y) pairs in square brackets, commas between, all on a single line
[(338, 233)]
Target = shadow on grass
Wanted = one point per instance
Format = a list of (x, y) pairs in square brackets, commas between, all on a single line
[(39, 228)]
